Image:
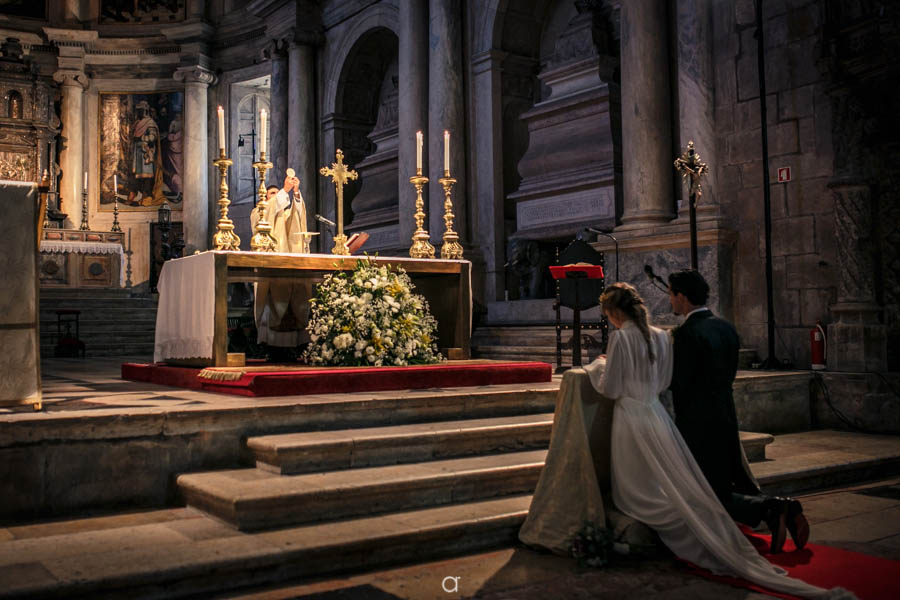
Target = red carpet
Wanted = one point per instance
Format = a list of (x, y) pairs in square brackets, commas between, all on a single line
[(334, 380), (869, 577)]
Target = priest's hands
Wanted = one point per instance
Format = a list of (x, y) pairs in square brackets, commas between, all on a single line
[(292, 183)]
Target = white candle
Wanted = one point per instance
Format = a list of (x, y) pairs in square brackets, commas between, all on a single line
[(221, 112), (115, 186), (85, 180), (263, 122), (446, 151), (418, 150)]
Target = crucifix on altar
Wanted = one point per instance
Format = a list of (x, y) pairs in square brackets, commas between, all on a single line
[(691, 168), (339, 174)]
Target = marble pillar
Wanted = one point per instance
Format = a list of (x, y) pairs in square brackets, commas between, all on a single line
[(696, 111), (646, 115), (197, 166), (301, 154), (278, 123), (488, 171), (857, 341), (71, 155), (446, 112), (412, 107)]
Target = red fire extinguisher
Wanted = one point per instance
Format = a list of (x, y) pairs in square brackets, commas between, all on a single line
[(817, 346)]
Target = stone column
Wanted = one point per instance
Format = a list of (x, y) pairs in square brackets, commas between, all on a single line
[(646, 115), (301, 142), (487, 221), (71, 156), (196, 211), (696, 119), (412, 108), (446, 112), (857, 341), (278, 101)]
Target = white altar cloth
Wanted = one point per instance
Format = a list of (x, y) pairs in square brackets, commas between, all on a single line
[(185, 317)]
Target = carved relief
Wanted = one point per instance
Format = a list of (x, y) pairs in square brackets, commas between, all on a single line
[(53, 268), (15, 166), (853, 226)]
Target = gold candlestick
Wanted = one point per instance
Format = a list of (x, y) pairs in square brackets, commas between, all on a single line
[(421, 247), (451, 249), (84, 212), (225, 238), (115, 225), (262, 240), (339, 174)]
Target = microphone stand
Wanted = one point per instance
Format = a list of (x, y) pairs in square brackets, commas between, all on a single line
[(615, 242), (657, 281)]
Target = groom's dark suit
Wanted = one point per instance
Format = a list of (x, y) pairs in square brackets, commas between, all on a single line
[(706, 358)]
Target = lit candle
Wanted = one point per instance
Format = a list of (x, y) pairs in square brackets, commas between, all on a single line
[(115, 187), (221, 112), (418, 150), (446, 151), (85, 180), (263, 122)]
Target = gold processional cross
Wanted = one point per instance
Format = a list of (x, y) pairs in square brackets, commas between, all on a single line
[(339, 174), (692, 168)]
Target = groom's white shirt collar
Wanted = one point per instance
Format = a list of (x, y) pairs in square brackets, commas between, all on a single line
[(696, 310)]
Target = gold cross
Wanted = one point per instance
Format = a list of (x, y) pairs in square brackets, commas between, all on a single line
[(691, 167), (339, 174)]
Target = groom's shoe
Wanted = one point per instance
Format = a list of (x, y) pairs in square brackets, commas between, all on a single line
[(776, 519), (796, 523)]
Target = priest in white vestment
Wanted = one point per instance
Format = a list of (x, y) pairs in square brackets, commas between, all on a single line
[(282, 308)]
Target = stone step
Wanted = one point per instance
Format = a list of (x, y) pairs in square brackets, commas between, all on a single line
[(186, 555), (252, 499), (755, 445), (293, 453), (130, 349), (100, 326)]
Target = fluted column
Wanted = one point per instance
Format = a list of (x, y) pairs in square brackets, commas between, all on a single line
[(646, 115), (71, 156), (857, 341), (196, 158), (301, 117), (446, 112), (412, 106), (279, 103)]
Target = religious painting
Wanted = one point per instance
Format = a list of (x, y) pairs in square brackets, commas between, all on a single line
[(30, 9), (141, 140), (141, 11)]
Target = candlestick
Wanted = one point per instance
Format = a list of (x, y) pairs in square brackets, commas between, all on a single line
[(221, 113), (421, 247), (451, 249), (84, 212), (446, 153), (262, 240), (225, 238), (115, 186), (419, 151), (115, 224), (263, 126), (85, 180)]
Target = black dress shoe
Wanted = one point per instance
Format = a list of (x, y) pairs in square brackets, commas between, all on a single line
[(776, 519), (797, 525)]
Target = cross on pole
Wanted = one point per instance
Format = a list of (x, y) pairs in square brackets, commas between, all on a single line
[(339, 174), (691, 168)]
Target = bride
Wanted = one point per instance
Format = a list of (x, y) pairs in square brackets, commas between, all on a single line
[(655, 478)]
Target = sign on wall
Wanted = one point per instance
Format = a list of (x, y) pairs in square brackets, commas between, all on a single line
[(141, 140)]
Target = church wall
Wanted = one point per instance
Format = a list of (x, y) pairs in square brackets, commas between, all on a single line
[(799, 130)]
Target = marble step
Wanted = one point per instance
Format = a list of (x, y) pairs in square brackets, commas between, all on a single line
[(252, 499), (292, 453), (188, 555)]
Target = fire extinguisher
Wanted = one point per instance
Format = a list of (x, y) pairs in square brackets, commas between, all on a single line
[(818, 347)]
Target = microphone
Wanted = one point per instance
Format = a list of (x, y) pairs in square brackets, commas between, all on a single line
[(655, 279), (615, 241), (322, 219)]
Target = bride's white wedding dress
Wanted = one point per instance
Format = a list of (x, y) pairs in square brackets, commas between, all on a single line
[(656, 480)]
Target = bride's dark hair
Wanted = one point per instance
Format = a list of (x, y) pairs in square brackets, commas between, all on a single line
[(623, 297)]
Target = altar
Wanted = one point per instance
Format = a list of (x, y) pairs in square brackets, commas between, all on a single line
[(191, 319)]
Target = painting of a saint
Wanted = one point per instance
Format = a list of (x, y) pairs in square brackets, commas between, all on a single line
[(141, 150)]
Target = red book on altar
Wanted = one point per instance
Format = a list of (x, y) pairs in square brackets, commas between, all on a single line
[(593, 271)]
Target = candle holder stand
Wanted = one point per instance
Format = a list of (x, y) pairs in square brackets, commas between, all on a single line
[(225, 237), (451, 248), (262, 240), (421, 247)]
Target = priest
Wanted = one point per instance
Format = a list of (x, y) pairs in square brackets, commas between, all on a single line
[(282, 307)]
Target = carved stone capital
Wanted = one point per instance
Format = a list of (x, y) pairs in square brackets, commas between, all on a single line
[(195, 74), (276, 49), (68, 78)]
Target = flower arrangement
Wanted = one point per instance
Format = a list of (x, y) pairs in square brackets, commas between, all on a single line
[(370, 317), (592, 545)]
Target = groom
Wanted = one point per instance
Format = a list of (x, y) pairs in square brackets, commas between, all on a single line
[(706, 358)]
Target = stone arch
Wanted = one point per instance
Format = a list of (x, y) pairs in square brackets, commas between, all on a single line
[(363, 123)]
